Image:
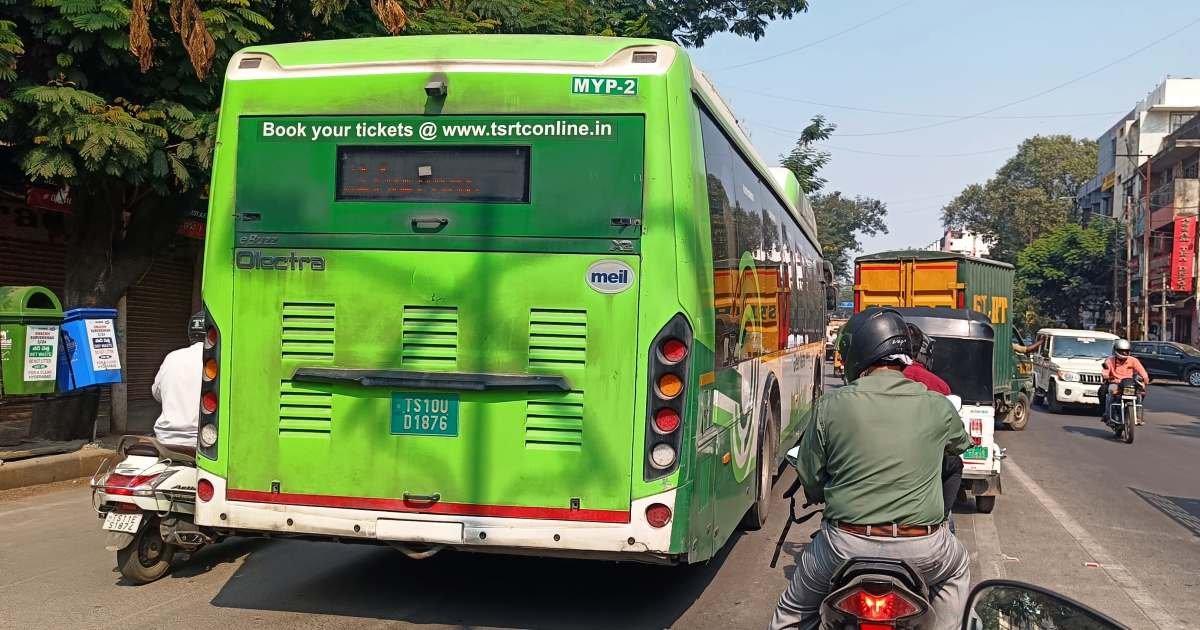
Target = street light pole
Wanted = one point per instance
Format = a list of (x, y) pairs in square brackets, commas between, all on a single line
[(1146, 254)]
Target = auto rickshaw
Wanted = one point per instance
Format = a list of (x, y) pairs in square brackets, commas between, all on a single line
[(962, 356)]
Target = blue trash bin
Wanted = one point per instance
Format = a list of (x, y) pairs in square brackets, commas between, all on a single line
[(88, 354)]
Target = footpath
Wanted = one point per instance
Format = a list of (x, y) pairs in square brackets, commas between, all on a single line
[(36, 463)]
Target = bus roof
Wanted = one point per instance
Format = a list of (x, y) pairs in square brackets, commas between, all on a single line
[(925, 254), (517, 48)]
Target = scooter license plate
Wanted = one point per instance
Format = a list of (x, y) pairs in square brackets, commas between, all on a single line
[(122, 522)]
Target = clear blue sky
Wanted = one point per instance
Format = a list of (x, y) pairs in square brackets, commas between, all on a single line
[(944, 57)]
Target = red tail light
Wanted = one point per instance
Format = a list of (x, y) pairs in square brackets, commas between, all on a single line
[(208, 402), (976, 427), (205, 490), (889, 606), (125, 485), (961, 299), (857, 296), (210, 337), (673, 351), (658, 515), (666, 420)]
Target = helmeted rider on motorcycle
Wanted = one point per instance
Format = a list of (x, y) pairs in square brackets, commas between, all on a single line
[(1118, 367), (872, 451), (177, 387)]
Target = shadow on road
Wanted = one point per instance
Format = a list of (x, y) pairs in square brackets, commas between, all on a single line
[(1184, 511), (463, 589), (1100, 431), (1191, 430)]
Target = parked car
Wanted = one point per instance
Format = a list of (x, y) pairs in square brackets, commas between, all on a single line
[(1170, 360)]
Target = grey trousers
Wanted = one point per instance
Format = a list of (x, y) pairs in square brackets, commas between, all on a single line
[(940, 558)]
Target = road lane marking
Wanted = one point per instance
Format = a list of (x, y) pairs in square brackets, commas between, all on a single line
[(1140, 595), (987, 546)]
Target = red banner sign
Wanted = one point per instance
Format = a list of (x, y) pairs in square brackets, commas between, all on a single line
[(1183, 254), (53, 199)]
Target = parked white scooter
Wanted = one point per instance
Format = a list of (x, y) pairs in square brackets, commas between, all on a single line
[(148, 501)]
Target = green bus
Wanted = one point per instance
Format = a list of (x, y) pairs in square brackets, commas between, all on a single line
[(520, 294)]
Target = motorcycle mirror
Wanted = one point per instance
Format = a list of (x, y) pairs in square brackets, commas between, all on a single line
[(956, 401), (1009, 604), (793, 456)]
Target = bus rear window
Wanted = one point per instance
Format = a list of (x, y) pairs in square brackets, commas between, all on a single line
[(448, 174)]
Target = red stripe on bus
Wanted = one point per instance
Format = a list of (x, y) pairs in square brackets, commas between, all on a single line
[(452, 509)]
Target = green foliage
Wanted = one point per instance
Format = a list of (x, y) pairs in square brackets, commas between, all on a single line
[(1030, 195), (805, 159), (1066, 271), (840, 222)]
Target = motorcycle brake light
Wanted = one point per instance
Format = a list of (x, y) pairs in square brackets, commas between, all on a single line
[(889, 606)]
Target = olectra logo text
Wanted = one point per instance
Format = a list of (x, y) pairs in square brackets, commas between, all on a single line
[(250, 259)]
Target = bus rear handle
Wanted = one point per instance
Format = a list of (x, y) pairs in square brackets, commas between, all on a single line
[(422, 498), (462, 381), (429, 224)]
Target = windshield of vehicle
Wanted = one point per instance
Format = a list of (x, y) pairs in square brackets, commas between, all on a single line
[(1080, 347)]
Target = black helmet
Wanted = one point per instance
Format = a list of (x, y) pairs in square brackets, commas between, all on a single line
[(1121, 347), (196, 328), (870, 336), (922, 345)]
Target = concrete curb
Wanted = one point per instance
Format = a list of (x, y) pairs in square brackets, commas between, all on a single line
[(51, 468)]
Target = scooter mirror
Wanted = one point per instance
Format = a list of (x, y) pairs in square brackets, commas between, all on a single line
[(1008, 604), (956, 401), (793, 456)]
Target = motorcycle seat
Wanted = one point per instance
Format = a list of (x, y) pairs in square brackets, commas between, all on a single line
[(149, 447)]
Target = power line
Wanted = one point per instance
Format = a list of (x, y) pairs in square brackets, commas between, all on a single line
[(920, 114), (791, 133), (819, 41), (1037, 95)]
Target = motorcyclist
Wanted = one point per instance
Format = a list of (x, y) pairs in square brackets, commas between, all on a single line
[(177, 387), (873, 453), (1118, 367)]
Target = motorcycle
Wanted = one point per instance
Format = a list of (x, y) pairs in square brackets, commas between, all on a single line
[(1125, 408), (886, 593), (147, 499)]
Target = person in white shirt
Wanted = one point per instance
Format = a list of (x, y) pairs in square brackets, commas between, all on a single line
[(177, 387)]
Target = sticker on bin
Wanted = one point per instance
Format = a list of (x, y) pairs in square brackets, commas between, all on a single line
[(41, 353), (102, 339)]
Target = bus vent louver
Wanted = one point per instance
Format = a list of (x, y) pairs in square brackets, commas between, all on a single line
[(303, 410), (430, 336), (555, 424), (308, 329), (557, 338)]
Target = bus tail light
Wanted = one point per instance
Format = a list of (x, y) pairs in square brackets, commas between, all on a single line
[(210, 386), (658, 515), (205, 490), (666, 399)]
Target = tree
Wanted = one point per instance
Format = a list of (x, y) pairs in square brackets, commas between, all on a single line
[(805, 160), (1068, 270), (840, 222), (1030, 195)]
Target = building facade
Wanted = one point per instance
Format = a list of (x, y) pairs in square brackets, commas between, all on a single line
[(1142, 181), (961, 242)]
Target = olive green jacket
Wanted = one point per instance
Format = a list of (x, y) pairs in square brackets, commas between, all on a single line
[(873, 449)]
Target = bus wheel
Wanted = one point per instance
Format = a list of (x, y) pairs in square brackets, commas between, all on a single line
[(768, 437), (1018, 416)]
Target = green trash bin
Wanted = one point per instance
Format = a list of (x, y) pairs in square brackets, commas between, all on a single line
[(29, 321)]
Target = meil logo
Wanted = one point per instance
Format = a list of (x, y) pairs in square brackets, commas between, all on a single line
[(609, 276)]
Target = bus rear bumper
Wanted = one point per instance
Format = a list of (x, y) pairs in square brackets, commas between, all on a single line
[(633, 540)]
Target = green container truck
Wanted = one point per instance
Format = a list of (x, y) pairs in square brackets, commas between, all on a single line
[(912, 278)]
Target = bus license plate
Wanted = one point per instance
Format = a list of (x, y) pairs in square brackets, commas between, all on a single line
[(122, 522), (976, 452), (424, 414)]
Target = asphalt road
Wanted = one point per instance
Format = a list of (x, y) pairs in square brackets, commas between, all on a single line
[(1116, 526)]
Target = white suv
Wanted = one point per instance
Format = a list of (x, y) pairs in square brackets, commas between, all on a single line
[(1066, 368)]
